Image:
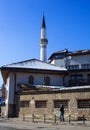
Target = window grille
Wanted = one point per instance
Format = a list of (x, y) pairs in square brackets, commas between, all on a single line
[(40, 104), (83, 103), (24, 103), (58, 103)]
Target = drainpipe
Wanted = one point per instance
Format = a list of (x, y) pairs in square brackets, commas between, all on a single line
[(14, 109), (64, 80)]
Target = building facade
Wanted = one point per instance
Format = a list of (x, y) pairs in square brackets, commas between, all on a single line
[(77, 63)]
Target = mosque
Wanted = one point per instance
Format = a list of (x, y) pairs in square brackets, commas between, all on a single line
[(39, 87)]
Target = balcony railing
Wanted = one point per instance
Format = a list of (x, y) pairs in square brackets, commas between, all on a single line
[(79, 82)]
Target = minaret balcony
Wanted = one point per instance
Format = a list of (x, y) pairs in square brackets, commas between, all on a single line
[(43, 40)]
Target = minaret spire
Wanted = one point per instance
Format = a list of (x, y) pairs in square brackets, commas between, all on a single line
[(43, 22), (43, 41)]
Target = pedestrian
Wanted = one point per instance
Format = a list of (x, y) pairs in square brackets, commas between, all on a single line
[(0, 111), (62, 113)]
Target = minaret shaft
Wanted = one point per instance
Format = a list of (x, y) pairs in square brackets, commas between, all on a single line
[(43, 41), (43, 33), (42, 53)]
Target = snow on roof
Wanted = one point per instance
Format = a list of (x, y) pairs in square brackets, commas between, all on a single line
[(72, 53), (35, 64), (65, 88), (62, 51), (74, 88)]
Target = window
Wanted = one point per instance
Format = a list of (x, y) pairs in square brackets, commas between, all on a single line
[(40, 104), (72, 77), (31, 80), (85, 66), (79, 76), (88, 76), (73, 67), (59, 56), (24, 103), (76, 77), (83, 103), (47, 80), (57, 103)]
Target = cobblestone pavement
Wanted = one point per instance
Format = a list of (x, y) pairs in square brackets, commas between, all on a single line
[(19, 124)]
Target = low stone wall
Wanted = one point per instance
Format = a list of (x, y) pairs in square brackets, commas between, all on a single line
[(71, 96)]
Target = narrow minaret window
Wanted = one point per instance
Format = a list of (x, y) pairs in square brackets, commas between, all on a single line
[(43, 41)]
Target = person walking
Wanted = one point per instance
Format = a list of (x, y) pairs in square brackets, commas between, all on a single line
[(62, 113)]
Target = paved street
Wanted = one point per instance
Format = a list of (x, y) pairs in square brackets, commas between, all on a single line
[(3, 128), (18, 124)]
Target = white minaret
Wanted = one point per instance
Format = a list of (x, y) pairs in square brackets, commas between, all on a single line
[(43, 41)]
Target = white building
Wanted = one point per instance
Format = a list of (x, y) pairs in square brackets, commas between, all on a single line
[(76, 62)]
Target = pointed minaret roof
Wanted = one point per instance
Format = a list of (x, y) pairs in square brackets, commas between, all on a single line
[(43, 22)]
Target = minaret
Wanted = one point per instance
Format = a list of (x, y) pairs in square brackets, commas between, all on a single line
[(43, 41)]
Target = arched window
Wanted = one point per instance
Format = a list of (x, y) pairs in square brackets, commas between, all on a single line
[(46, 80), (31, 80)]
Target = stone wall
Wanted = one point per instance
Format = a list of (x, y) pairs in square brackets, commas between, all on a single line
[(71, 96)]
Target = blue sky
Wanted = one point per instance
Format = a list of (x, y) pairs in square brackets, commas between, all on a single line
[(67, 22)]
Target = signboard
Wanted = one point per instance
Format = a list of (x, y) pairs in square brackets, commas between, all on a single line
[(2, 102)]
